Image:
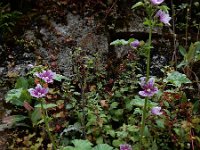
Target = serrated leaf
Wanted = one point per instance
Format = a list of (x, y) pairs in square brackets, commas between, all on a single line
[(102, 147), (147, 22), (119, 42), (21, 83), (117, 143), (164, 8), (13, 96), (82, 144), (177, 79), (59, 77), (138, 4), (139, 102), (46, 106)]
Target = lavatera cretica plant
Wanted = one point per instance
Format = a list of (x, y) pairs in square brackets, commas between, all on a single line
[(32, 89), (157, 15), (39, 92)]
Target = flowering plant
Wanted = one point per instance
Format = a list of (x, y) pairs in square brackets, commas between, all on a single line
[(46, 75), (148, 87), (38, 91)]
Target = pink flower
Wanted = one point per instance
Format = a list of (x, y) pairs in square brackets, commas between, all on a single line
[(164, 17), (156, 2), (148, 87), (46, 75), (156, 111), (38, 91), (135, 44), (125, 147)]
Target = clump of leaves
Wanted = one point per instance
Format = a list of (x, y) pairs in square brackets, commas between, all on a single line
[(85, 144), (7, 19)]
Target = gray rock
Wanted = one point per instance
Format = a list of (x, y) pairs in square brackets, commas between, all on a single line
[(65, 61)]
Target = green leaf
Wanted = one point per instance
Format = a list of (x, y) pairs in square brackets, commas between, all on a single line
[(131, 40), (119, 42), (117, 143), (77, 93), (182, 50), (18, 118), (68, 148), (118, 94), (99, 140), (177, 79), (13, 96), (119, 112), (133, 128), (183, 63), (138, 4), (139, 102), (196, 106), (191, 53), (82, 144), (147, 22), (197, 51), (46, 106), (164, 8), (59, 77), (36, 116), (102, 147), (160, 123), (21, 83)]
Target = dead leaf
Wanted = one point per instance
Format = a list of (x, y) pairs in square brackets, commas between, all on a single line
[(27, 106), (104, 103)]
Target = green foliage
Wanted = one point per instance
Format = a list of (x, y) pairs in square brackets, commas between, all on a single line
[(138, 4), (85, 144), (190, 57), (100, 102), (46, 106), (119, 42), (7, 19), (17, 96), (177, 79), (139, 102)]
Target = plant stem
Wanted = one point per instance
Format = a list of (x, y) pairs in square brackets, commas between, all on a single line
[(147, 76), (188, 17), (198, 29), (149, 53), (83, 105), (174, 57), (45, 116)]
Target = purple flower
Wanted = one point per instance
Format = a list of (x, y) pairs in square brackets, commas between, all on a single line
[(30, 66), (46, 75), (135, 44), (164, 17), (148, 87), (156, 2), (156, 111), (38, 91), (125, 147)]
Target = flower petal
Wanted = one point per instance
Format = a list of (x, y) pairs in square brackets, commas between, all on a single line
[(156, 111), (156, 2)]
